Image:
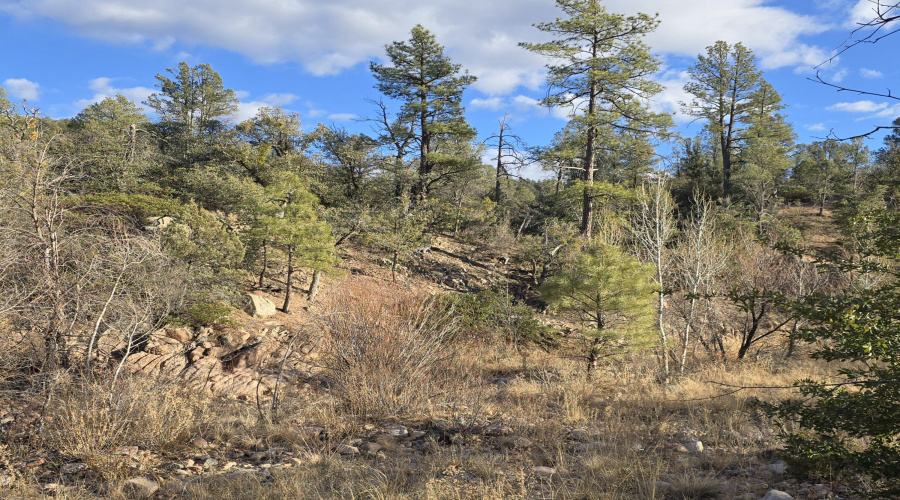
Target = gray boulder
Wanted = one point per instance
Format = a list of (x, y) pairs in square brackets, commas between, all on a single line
[(257, 305)]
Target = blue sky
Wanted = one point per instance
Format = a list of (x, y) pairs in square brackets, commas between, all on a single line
[(312, 57)]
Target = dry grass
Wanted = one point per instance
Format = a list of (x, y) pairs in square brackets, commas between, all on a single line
[(385, 350), (87, 421), (390, 360)]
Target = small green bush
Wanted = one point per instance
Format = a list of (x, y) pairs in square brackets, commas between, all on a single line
[(492, 316), (204, 314)]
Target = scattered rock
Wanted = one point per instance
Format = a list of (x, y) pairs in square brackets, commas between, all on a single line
[(818, 491), (371, 448), (74, 468), (441, 424), (140, 487), (256, 305), (777, 495), (544, 471), (588, 447), (345, 449), (159, 222), (200, 443), (396, 430), (695, 446), (514, 442), (196, 354), (181, 334), (778, 467), (497, 429), (662, 486)]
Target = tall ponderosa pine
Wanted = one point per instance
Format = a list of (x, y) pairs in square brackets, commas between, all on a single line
[(732, 96), (192, 108), (598, 58), (430, 87)]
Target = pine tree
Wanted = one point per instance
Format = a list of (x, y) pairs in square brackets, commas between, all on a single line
[(111, 139), (852, 424), (598, 58), (430, 87), (612, 293), (731, 95), (192, 108), (292, 224)]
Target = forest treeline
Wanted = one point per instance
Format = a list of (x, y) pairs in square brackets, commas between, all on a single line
[(120, 220)]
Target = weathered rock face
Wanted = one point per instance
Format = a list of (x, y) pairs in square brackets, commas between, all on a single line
[(246, 368), (257, 305), (182, 334)]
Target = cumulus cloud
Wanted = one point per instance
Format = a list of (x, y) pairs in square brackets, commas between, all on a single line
[(328, 37), (103, 87), (20, 88), (870, 73), (858, 107), (839, 76), (670, 99), (890, 112), (248, 109), (492, 103), (865, 11), (816, 127)]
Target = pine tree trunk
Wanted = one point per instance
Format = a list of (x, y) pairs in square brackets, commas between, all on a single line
[(265, 263), (289, 281), (314, 286)]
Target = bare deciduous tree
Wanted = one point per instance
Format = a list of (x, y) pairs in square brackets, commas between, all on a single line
[(698, 261), (654, 226)]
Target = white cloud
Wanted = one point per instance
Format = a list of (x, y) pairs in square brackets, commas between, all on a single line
[(342, 117), (839, 76), (248, 109), (279, 99), (891, 112), (328, 37), (858, 107), (20, 88), (870, 73), (492, 103), (816, 127), (103, 88), (865, 11), (670, 99)]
